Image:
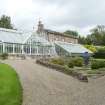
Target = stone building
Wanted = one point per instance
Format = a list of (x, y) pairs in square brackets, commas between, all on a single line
[(53, 36)]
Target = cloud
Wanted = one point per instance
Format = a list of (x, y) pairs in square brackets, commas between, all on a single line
[(60, 15)]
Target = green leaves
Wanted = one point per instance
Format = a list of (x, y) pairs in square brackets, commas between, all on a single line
[(96, 36), (5, 22)]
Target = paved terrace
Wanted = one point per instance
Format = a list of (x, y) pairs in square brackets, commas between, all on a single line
[(43, 86)]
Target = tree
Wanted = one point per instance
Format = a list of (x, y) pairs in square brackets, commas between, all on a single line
[(81, 40), (98, 35), (85, 40), (5, 22), (71, 32)]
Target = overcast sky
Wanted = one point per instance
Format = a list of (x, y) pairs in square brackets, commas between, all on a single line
[(59, 15)]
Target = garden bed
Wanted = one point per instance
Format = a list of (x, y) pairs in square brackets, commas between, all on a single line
[(75, 67), (70, 71)]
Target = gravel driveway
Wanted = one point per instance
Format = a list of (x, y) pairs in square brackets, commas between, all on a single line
[(43, 86)]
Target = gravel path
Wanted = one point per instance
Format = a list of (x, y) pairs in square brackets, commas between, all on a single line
[(43, 86)]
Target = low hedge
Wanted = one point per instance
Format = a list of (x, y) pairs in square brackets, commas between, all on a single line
[(100, 53), (70, 64), (4, 56), (78, 61), (96, 64), (54, 66), (75, 61), (58, 61), (64, 69)]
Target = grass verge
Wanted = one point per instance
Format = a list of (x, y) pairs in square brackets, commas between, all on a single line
[(10, 86)]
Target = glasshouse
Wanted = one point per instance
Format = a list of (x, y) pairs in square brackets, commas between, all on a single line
[(70, 49), (14, 42), (31, 43)]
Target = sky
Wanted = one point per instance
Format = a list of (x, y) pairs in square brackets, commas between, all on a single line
[(58, 15)]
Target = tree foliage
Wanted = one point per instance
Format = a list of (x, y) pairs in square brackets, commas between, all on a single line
[(97, 36), (85, 40), (5, 22)]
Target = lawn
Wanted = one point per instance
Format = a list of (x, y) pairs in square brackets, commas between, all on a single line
[(10, 86)]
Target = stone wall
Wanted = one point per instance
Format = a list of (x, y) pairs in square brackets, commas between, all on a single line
[(53, 37)]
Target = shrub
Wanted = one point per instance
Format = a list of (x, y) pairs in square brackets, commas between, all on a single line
[(100, 53), (96, 64), (78, 61), (91, 48), (4, 56), (58, 61), (70, 64), (65, 69)]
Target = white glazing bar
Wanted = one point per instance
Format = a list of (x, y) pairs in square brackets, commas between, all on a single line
[(42, 50), (3, 47), (48, 51), (37, 51), (22, 49), (13, 48), (30, 49)]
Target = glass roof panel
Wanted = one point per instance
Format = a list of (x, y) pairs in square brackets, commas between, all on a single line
[(73, 48)]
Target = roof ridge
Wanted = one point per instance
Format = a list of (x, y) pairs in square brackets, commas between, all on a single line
[(10, 30)]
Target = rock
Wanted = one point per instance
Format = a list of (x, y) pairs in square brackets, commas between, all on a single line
[(83, 78)]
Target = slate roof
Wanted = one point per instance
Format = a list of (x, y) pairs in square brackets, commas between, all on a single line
[(59, 33)]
